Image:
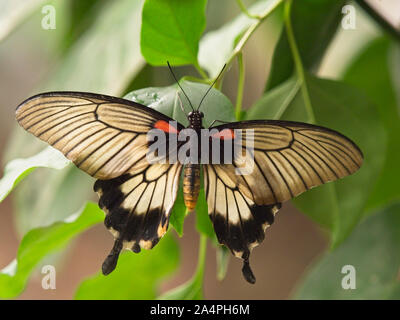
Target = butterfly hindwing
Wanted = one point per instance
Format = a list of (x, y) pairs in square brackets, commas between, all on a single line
[(287, 159), (137, 207)]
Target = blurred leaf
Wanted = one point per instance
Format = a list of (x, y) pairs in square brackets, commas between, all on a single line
[(314, 25), (12, 13), (370, 72), (38, 243), (395, 292), (373, 250), (82, 15), (136, 275), (171, 31), (338, 205), (48, 196), (217, 46), (116, 35), (192, 289), (165, 100), (18, 169), (223, 256)]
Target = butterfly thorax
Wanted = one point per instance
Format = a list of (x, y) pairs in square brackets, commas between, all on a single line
[(191, 172), (195, 119)]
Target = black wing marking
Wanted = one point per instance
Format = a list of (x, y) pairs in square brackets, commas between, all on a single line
[(137, 208)]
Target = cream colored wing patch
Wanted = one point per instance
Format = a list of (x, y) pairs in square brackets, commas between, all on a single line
[(137, 208)]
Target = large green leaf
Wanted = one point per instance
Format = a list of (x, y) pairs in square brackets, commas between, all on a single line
[(340, 205), (314, 25), (371, 72), (217, 46), (38, 243), (373, 250), (136, 275), (171, 31)]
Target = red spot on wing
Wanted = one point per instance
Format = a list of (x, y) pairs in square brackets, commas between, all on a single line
[(165, 126), (225, 134)]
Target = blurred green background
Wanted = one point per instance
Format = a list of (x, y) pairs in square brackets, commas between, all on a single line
[(95, 47)]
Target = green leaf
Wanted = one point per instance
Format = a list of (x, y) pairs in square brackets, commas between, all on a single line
[(373, 250), (217, 46), (12, 13), (203, 221), (165, 100), (46, 204), (314, 23), (376, 60), (38, 243), (18, 169), (179, 213), (171, 31), (338, 205), (136, 275)]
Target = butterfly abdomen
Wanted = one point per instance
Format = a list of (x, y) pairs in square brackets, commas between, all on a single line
[(191, 185)]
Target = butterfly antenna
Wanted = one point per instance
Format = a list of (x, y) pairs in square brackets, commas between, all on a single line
[(170, 69), (212, 85)]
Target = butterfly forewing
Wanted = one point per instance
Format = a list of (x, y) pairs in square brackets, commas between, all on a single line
[(104, 136)]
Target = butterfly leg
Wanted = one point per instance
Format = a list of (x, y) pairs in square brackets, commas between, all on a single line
[(214, 121)]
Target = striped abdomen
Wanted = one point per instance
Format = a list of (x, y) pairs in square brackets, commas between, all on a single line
[(191, 185)]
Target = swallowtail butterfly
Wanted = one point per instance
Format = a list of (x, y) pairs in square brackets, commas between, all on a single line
[(106, 137)]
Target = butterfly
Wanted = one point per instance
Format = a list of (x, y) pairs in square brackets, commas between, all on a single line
[(106, 137)]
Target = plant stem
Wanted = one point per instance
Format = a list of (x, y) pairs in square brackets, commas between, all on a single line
[(390, 29), (201, 258), (245, 11), (201, 71), (239, 46), (239, 97), (297, 61)]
